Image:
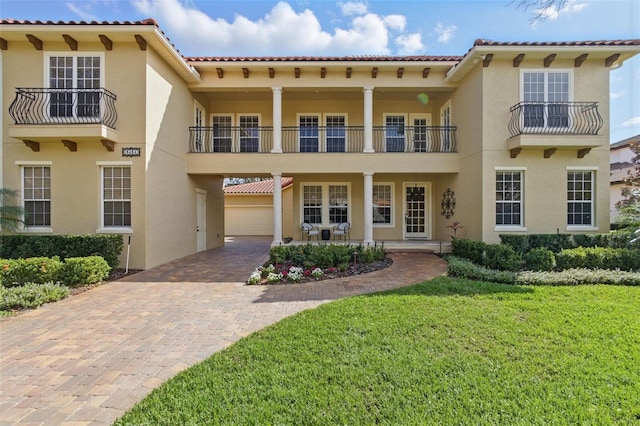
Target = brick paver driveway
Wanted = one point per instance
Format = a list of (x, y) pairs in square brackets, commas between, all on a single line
[(89, 358)]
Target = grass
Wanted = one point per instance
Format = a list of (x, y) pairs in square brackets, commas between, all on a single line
[(447, 351)]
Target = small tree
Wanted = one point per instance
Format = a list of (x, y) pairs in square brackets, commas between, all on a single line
[(11, 216), (541, 7), (629, 206)]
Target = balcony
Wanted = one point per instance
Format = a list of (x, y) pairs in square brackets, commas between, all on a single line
[(555, 125), (71, 115), (323, 139)]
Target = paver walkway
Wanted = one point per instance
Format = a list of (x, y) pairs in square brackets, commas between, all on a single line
[(87, 359)]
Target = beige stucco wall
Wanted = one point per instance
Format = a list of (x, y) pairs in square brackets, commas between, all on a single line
[(251, 214)]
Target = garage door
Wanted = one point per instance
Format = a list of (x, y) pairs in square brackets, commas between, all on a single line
[(248, 220)]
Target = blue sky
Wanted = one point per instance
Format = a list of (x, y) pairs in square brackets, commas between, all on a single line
[(307, 27)]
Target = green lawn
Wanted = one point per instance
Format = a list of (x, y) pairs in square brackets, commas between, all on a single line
[(447, 351)]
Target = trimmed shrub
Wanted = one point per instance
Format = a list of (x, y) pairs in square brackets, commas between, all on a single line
[(468, 249), (579, 277), (38, 270), (109, 246), (31, 295), (519, 243), (501, 257), (539, 259), (464, 268), (553, 242), (84, 270), (324, 255), (599, 258)]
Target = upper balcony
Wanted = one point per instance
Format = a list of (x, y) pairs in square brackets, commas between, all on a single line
[(555, 125), (67, 115), (323, 139)]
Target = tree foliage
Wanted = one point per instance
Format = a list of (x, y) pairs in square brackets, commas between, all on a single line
[(540, 7), (629, 206), (11, 216)]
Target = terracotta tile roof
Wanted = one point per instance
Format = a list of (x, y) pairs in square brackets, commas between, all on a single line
[(9, 21), (257, 188), (356, 58), (632, 42)]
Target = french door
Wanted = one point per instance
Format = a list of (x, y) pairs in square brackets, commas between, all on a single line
[(417, 208)]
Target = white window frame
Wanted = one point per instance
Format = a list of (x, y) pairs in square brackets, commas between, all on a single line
[(117, 230), (75, 56), (325, 116), (384, 123), (198, 121), (325, 201), (33, 229), (514, 228), (391, 224), (594, 181), (446, 118), (546, 73), (310, 114), (238, 120), (419, 116), (212, 118)]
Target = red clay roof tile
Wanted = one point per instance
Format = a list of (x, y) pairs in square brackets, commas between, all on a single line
[(261, 187)]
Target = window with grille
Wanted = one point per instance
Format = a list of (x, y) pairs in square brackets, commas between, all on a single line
[(36, 191), (75, 82), (382, 204), (546, 97), (509, 198), (312, 204), (338, 204), (249, 133), (336, 133), (116, 196), (394, 133), (580, 198), (309, 133), (222, 140)]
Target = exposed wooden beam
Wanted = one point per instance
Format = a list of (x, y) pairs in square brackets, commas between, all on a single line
[(514, 152), (518, 60), (580, 59), (611, 59), (220, 72), (110, 145), (245, 72), (272, 72), (323, 72), (374, 72), (349, 70), (549, 59), (72, 42), (425, 72), (549, 152), (487, 60), (106, 41), (296, 72), (73, 147), (35, 146), (37, 43), (141, 42), (400, 72), (3, 44), (582, 152)]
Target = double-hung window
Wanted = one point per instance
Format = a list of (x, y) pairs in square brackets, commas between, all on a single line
[(116, 196), (336, 138), (509, 191), (74, 83), (36, 195), (382, 204), (546, 96), (325, 204), (309, 133), (222, 135), (249, 133), (394, 133), (580, 196)]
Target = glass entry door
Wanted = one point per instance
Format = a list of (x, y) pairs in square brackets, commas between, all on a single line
[(416, 211)]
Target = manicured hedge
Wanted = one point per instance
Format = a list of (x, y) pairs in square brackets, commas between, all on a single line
[(40, 270), (108, 246), (599, 258), (493, 256), (464, 268), (324, 255), (558, 242)]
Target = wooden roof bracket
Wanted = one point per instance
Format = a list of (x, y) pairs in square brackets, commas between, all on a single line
[(35, 146), (515, 151), (71, 145), (110, 145)]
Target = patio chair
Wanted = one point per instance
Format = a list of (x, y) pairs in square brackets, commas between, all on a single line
[(310, 230), (342, 231)]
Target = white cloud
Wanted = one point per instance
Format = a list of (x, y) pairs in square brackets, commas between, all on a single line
[(444, 33), (410, 44), (615, 95), (353, 8), (634, 121), (552, 12), (85, 15), (282, 31)]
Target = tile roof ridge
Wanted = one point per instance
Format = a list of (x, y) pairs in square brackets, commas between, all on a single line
[(11, 21)]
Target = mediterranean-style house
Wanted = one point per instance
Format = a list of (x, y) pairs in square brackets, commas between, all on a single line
[(621, 165), (107, 128)]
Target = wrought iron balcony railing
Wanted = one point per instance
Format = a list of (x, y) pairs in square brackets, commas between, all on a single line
[(555, 118), (64, 106), (301, 139)]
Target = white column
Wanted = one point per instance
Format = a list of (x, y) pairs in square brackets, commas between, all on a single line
[(277, 209), (368, 119), (368, 208), (277, 120)]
